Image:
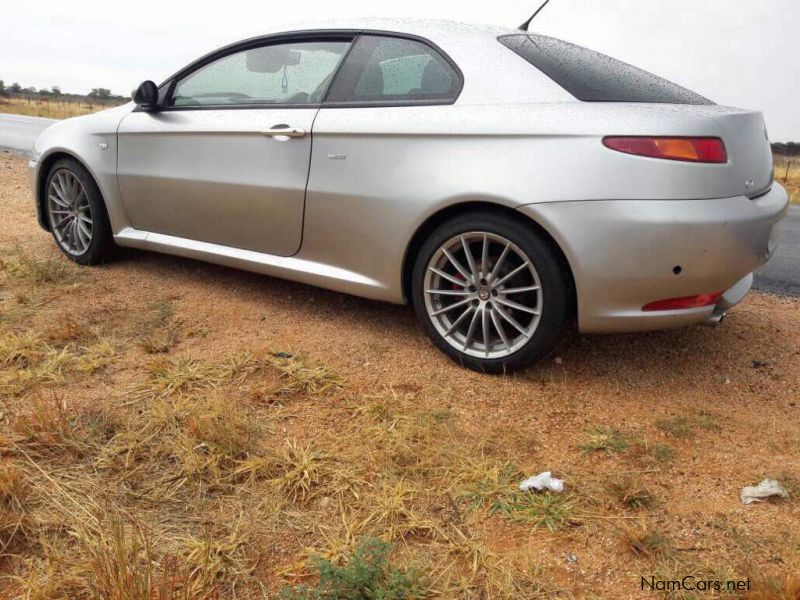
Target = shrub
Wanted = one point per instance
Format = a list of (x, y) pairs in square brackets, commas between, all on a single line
[(368, 575)]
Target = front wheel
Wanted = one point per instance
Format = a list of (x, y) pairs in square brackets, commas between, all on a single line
[(76, 214), (490, 292)]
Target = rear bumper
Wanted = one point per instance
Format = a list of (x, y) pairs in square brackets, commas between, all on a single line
[(627, 253)]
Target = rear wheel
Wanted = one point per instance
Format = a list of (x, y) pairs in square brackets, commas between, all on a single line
[(76, 214), (490, 292)]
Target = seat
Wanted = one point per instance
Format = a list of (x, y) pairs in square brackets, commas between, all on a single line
[(371, 83)]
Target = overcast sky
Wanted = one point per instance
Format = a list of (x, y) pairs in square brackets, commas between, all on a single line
[(737, 52)]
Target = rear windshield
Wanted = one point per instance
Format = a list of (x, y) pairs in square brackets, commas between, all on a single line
[(594, 77)]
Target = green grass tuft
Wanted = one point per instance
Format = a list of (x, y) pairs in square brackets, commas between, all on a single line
[(685, 427), (610, 441), (548, 509), (368, 575), (677, 427)]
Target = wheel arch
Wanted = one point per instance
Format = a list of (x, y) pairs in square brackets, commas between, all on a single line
[(44, 169), (436, 219)]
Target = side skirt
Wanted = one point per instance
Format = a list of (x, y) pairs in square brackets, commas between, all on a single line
[(291, 268)]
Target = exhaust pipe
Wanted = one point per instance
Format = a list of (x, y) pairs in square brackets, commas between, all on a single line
[(715, 319)]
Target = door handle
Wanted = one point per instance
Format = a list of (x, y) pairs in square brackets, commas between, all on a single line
[(284, 132)]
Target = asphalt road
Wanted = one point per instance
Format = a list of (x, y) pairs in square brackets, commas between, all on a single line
[(17, 132), (780, 275)]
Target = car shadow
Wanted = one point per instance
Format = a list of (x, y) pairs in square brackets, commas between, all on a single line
[(687, 353), (256, 286)]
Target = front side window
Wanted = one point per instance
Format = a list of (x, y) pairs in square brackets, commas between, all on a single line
[(383, 69), (288, 73)]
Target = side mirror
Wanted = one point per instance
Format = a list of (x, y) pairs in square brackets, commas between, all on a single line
[(146, 96)]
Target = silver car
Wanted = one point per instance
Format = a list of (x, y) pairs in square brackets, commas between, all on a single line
[(504, 184)]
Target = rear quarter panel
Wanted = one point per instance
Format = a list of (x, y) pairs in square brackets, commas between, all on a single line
[(377, 174)]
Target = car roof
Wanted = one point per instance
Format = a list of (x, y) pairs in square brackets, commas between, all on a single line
[(421, 27)]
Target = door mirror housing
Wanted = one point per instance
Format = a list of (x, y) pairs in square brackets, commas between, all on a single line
[(146, 96)]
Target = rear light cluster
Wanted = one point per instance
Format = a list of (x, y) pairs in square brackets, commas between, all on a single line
[(687, 149)]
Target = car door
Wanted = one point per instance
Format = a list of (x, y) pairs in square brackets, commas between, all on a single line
[(384, 151), (226, 159)]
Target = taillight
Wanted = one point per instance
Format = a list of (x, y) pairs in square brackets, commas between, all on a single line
[(684, 303), (688, 149)]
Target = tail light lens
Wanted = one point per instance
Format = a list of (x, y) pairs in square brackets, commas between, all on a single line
[(684, 303), (687, 149)]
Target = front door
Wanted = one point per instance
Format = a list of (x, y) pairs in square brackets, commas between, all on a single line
[(226, 161)]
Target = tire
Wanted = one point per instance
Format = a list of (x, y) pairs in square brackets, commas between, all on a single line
[(76, 213), (529, 279)]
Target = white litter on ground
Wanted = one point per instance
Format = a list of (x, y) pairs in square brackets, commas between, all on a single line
[(763, 492), (541, 482)]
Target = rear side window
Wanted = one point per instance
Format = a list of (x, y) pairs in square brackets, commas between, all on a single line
[(388, 70), (594, 77)]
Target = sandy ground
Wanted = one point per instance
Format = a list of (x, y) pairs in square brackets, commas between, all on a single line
[(742, 380)]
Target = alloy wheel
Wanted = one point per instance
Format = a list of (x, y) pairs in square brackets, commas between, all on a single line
[(483, 295), (69, 212)]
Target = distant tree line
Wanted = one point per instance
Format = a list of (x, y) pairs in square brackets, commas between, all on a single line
[(102, 95), (788, 149)]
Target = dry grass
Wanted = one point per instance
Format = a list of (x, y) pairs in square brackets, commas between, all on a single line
[(35, 363), (631, 492), (643, 541), (157, 446), (51, 108), (185, 374), (770, 587), (37, 271), (302, 379), (13, 487), (157, 330), (787, 173)]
